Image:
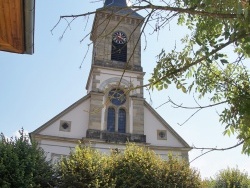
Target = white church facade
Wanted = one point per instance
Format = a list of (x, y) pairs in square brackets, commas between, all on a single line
[(114, 110)]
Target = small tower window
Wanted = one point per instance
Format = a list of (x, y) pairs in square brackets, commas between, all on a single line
[(119, 47), (111, 120)]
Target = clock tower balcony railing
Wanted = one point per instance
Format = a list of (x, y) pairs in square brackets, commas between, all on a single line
[(115, 136)]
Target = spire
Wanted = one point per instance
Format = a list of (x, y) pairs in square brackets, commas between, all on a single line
[(115, 3)]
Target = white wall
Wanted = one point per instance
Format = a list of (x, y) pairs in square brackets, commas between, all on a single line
[(79, 118), (151, 125), (129, 76), (54, 149)]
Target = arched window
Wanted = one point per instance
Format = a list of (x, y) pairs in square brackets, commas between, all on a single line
[(122, 121), (111, 120)]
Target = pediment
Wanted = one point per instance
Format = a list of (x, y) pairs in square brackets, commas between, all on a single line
[(70, 123), (159, 132)]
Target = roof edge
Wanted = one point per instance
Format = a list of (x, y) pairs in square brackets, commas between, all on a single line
[(116, 10), (29, 25)]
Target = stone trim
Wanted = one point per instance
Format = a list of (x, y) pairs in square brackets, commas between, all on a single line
[(168, 148), (54, 138), (111, 80), (119, 16), (118, 64)]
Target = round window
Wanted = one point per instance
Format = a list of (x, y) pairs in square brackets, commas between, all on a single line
[(65, 125), (117, 97)]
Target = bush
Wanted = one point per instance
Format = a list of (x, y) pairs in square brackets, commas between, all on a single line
[(141, 167), (22, 164), (135, 167), (85, 167), (232, 178), (208, 183)]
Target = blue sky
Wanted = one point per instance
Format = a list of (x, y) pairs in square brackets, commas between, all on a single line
[(33, 89)]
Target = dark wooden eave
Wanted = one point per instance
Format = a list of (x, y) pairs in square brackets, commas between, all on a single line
[(17, 26)]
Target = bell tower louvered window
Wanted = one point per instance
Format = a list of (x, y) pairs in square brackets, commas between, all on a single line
[(119, 47)]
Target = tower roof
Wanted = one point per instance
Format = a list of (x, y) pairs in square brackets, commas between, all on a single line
[(117, 3), (120, 4)]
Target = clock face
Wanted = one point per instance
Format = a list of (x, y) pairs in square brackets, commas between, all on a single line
[(119, 37)]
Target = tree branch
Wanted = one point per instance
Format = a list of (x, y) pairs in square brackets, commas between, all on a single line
[(216, 149), (187, 66), (187, 10)]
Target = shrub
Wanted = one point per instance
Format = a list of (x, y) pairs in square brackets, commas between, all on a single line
[(85, 167), (180, 175), (135, 167), (208, 183)]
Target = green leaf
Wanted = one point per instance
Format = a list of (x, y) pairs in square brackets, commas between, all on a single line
[(184, 90), (178, 85), (232, 129), (224, 61)]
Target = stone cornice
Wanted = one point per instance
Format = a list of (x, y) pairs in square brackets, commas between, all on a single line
[(98, 141)]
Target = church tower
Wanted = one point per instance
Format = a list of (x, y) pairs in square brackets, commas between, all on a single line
[(115, 106), (114, 110)]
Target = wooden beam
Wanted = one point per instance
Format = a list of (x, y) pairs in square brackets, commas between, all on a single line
[(12, 26)]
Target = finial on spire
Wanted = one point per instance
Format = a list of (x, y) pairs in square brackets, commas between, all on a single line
[(115, 3)]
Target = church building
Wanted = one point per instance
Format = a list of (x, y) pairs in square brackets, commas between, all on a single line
[(114, 110)]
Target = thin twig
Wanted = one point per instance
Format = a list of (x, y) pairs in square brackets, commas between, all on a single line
[(216, 149)]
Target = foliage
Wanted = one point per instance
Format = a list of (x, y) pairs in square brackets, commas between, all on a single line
[(22, 164), (208, 183), (212, 61), (135, 167), (228, 178), (232, 178), (85, 167), (141, 167)]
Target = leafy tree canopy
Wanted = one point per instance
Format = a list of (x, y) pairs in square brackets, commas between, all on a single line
[(231, 178), (203, 66), (22, 164)]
